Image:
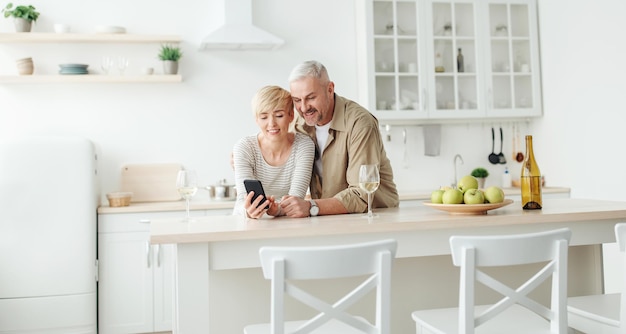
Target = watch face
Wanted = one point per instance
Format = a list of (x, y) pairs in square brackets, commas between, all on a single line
[(314, 210)]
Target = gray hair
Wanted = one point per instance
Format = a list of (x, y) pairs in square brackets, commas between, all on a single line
[(311, 68)]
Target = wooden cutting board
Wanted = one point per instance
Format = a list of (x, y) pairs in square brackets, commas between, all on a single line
[(151, 182)]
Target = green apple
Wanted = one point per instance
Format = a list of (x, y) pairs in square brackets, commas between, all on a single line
[(466, 183), (444, 188), (494, 194), (474, 196), (437, 196), (452, 196)]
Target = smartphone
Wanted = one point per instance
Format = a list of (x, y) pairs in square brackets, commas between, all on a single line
[(257, 187)]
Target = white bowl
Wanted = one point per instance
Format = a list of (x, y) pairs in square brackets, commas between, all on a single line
[(61, 28)]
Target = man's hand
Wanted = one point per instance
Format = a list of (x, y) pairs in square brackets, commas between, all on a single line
[(295, 207)]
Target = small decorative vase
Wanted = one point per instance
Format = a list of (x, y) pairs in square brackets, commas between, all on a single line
[(170, 67), (25, 66), (481, 182), (22, 25)]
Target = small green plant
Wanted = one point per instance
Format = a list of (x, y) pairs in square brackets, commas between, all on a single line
[(480, 172), (26, 12), (168, 52)]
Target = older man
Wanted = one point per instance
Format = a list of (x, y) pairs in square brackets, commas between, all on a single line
[(346, 136)]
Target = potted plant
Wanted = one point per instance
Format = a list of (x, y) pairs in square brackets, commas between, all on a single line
[(170, 56), (23, 16), (480, 174)]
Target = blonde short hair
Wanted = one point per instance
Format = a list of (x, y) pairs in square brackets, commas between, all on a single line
[(271, 98)]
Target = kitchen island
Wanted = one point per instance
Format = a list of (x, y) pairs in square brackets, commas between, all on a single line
[(220, 287)]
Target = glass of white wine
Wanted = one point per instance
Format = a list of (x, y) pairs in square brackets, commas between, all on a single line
[(369, 180), (187, 185)]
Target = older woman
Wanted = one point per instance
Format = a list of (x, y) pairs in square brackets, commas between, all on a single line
[(281, 159)]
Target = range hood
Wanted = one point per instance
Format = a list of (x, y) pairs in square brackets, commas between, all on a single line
[(238, 32)]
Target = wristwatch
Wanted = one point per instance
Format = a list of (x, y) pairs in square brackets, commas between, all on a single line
[(314, 210)]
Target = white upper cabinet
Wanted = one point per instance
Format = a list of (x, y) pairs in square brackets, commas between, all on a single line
[(425, 60), (394, 59), (512, 63)]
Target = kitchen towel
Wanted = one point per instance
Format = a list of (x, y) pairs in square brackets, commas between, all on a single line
[(432, 140)]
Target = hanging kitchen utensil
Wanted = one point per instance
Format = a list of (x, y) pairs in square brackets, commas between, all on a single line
[(501, 157), (405, 158), (519, 157), (493, 157), (514, 142), (432, 139)]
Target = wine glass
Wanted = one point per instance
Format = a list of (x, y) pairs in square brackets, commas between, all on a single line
[(122, 63), (107, 62), (187, 185), (369, 180)]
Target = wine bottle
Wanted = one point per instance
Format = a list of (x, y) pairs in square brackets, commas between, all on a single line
[(530, 179), (439, 64), (460, 67)]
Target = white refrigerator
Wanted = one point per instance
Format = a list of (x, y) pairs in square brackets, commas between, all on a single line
[(48, 202)]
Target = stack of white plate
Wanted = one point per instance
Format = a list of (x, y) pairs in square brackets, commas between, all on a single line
[(73, 69)]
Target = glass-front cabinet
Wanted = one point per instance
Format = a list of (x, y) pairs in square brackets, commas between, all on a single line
[(512, 66), (450, 59), (453, 46), (397, 72)]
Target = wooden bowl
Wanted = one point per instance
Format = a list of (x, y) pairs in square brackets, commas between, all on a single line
[(468, 209), (117, 199)]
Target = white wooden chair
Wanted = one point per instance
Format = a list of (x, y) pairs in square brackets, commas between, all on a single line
[(515, 312), (284, 265), (605, 313)]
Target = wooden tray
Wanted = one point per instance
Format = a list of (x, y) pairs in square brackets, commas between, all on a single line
[(468, 209)]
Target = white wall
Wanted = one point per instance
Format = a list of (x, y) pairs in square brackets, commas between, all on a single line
[(584, 83)]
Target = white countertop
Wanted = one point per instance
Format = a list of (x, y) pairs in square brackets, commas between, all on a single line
[(418, 195)]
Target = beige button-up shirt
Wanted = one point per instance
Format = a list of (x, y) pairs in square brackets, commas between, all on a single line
[(354, 139)]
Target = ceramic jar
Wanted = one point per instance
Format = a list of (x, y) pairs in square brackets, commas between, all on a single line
[(25, 66)]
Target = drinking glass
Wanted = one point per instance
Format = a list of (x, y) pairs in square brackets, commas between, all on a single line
[(187, 185), (106, 64), (122, 63), (369, 180)]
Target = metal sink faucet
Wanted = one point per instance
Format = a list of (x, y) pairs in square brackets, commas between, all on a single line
[(456, 157)]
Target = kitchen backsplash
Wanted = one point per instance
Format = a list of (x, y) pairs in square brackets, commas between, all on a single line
[(473, 142)]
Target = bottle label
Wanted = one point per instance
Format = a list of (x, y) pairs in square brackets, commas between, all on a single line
[(531, 192), (532, 206)]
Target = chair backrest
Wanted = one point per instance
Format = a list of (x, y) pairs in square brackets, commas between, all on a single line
[(472, 252), (620, 236), (322, 262)]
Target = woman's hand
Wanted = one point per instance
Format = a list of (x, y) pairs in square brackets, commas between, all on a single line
[(254, 210)]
